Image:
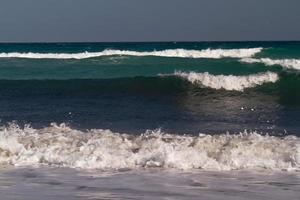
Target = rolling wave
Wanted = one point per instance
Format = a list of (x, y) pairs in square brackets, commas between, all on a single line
[(179, 53), (63, 146), (229, 82), (286, 63)]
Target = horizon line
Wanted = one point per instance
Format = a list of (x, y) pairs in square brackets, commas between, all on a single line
[(155, 41)]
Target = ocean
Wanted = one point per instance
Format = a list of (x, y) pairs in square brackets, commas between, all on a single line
[(160, 120)]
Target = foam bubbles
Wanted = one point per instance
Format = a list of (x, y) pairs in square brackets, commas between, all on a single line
[(62, 146), (180, 53), (286, 63), (228, 82)]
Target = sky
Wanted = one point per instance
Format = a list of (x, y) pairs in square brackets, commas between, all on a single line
[(148, 20)]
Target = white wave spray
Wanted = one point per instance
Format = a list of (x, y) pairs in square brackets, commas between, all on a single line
[(229, 82), (103, 149), (286, 63), (180, 53)]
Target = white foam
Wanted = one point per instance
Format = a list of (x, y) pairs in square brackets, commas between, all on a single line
[(286, 63), (103, 149), (180, 53), (229, 82)]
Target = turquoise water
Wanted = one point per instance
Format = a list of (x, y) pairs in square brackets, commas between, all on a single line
[(129, 66)]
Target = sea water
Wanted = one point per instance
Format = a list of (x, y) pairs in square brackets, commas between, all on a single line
[(168, 120)]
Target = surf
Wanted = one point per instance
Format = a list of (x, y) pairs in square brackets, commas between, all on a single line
[(175, 53), (62, 146), (228, 82), (285, 63)]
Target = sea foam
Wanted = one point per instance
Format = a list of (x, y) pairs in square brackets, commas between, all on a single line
[(286, 63), (180, 53), (228, 82), (62, 146)]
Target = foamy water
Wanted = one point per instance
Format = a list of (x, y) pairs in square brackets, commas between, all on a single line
[(62, 146), (229, 82), (180, 53), (286, 63)]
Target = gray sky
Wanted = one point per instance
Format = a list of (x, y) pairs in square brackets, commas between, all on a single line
[(148, 20)]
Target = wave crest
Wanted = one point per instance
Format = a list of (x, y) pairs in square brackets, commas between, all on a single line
[(286, 63), (230, 82), (103, 149), (180, 53)]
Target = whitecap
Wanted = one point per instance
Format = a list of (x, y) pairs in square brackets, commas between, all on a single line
[(228, 82), (286, 63), (180, 53), (62, 146)]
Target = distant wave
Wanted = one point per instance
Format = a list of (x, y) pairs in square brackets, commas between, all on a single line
[(229, 82), (104, 149), (286, 63), (180, 53)]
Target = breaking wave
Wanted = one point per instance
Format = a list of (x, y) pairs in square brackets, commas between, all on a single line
[(229, 82), (286, 63), (104, 149), (180, 53)]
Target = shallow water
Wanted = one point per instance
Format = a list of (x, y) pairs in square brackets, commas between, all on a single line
[(70, 184)]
